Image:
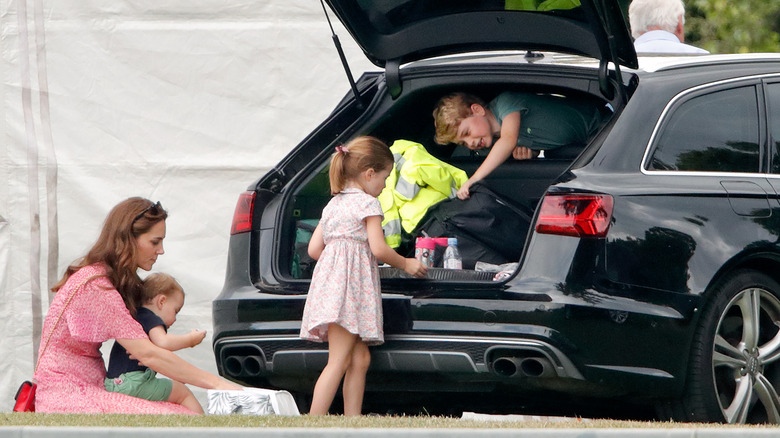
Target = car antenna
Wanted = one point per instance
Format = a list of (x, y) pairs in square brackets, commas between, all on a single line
[(343, 59)]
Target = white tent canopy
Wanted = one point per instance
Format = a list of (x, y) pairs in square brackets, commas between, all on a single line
[(182, 102)]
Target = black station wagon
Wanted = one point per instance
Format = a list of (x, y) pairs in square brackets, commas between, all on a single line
[(649, 269)]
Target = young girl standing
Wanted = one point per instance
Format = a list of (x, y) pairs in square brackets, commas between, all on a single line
[(344, 305)]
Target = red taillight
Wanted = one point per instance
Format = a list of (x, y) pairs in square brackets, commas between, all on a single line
[(578, 215), (242, 217)]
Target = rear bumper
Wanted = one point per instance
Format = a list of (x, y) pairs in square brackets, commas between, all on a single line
[(439, 364), (265, 356), (438, 345)]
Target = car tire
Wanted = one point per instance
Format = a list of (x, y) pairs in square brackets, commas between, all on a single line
[(734, 372)]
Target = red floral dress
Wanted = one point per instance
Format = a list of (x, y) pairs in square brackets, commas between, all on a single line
[(345, 284), (71, 371)]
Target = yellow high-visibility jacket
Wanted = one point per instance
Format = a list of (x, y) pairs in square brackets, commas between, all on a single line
[(418, 180)]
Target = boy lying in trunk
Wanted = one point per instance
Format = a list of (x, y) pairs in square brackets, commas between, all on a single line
[(522, 124)]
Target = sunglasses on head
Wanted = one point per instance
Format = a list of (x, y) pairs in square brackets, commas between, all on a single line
[(154, 208)]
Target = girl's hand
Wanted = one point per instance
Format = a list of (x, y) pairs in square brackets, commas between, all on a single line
[(414, 267), (197, 336)]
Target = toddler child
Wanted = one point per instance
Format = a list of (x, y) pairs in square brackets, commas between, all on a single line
[(162, 300), (344, 305)]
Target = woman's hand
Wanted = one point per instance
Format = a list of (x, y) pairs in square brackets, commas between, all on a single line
[(228, 386), (415, 267), (135, 359)]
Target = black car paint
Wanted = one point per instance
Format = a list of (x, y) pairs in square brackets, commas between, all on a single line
[(622, 310), (643, 288), (426, 30)]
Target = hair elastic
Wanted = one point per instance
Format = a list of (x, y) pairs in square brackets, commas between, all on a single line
[(342, 149)]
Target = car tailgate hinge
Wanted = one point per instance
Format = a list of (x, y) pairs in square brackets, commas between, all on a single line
[(275, 178), (393, 77), (604, 85)]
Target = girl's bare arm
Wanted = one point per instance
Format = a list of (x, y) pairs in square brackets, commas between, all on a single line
[(382, 251), (316, 243)]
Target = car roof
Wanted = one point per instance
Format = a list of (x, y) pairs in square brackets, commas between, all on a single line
[(663, 63), (401, 31)]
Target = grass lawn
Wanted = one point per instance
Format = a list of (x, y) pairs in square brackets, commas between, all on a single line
[(116, 420)]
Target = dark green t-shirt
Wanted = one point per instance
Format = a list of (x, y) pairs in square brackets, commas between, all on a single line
[(548, 121)]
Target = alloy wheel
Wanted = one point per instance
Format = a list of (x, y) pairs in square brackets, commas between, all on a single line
[(745, 355)]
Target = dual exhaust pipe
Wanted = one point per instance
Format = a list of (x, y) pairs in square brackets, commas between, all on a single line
[(537, 367), (236, 366)]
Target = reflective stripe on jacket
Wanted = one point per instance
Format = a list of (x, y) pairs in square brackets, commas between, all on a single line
[(418, 181)]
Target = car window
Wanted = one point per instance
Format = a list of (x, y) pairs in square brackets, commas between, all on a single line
[(773, 94), (398, 13), (714, 132)]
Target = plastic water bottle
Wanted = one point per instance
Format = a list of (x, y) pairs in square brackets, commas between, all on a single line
[(452, 258)]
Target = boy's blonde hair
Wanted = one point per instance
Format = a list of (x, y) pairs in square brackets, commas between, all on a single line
[(159, 283), (449, 112), (359, 155)]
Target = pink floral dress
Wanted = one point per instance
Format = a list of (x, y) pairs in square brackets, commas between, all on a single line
[(345, 284), (71, 370)]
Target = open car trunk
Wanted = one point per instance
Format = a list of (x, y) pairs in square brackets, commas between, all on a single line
[(398, 34), (494, 222)]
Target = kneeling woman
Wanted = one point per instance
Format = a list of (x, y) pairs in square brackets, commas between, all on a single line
[(95, 301)]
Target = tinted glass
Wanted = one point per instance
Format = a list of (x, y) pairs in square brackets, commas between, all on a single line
[(773, 92), (393, 14), (716, 132)]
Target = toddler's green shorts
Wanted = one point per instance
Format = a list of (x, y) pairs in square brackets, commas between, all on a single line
[(141, 384)]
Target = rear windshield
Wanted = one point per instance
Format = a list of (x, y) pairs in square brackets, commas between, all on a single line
[(388, 16)]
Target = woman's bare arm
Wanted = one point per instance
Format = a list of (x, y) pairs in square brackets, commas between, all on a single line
[(171, 365)]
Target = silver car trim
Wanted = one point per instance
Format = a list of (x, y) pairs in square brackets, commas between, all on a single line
[(663, 116), (654, 372)]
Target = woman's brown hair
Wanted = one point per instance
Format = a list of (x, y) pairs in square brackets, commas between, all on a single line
[(116, 247), (359, 155)]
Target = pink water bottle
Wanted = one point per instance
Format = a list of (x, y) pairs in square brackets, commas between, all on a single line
[(423, 250)]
